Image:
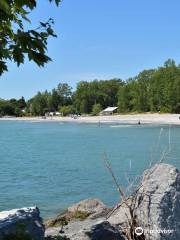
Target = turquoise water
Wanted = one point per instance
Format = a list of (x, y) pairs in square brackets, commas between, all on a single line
[(53, 165)]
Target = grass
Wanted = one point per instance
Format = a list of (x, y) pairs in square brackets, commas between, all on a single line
[(63, 219), (80, 215)]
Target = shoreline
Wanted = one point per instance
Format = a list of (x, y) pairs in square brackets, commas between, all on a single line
[(144, 118)]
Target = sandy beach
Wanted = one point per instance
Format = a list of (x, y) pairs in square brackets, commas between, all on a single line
[(148, 118)]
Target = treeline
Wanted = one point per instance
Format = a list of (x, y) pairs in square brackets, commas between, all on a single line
[(152, 90), (12, 107), (155, 90), (89, 97)]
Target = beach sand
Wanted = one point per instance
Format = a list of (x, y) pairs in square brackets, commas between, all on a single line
[(146, 118)]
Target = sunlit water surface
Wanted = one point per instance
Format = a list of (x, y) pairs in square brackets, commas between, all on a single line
[(53, 165)]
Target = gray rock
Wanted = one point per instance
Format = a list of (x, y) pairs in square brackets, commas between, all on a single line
[(157, 211), (86, 209), (158, 203), (94, 227), (119, 216), (94, 207), (24, 220), (104, 231), (73, 229), (89, 229)]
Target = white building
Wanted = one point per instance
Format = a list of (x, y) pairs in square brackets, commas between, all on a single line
[(58, 114), (51, 114), (108, 111)]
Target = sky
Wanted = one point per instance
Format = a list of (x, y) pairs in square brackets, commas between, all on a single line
[(98, 39)]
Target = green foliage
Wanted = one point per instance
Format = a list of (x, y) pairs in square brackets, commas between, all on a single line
[(60, 96), (103, 92), (12, 107), (64, 92), (39, 104), (46, 101), (63, 219), (96, 109), (66, 110), (155, 90), (53, 101), (15, 41), (80, 215)]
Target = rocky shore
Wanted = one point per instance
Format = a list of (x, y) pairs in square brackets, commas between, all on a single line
[(21, 224), (152, 212)]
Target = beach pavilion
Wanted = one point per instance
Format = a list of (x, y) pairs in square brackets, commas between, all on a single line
[(109, 111)]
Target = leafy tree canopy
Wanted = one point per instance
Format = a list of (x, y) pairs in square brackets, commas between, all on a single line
[(153, 90), (96, 109), (15, 40)]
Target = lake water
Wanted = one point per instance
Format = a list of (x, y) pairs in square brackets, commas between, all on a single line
[(53, 165)]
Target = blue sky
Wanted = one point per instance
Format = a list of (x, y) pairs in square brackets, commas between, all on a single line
[(99, 39)]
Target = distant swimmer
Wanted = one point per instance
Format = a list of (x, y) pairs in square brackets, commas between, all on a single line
[(139, 123)]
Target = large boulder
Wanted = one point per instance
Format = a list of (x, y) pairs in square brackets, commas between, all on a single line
[(73, 230), (104, 231), (25, 223), (85, 220), (155, 206), (89, 208), (89, 229), (158, 203), (119, 216), (93, 207)]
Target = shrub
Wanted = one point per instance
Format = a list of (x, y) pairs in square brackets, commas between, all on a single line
[(96, 109), (66, 110)]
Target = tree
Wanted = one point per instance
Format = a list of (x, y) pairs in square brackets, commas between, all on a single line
[(82, 98), (15, 41), (124, 99), (109, 90), (6, 108), (39, 104), (103, 92), (12, 107), (53, 101), (66, 110), (151, 90), (96, 109), (21, 103), (64, 92)]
